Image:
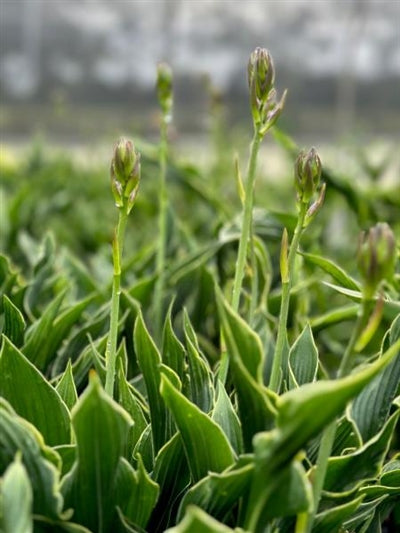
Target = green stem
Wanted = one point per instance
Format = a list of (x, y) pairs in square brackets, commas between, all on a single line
[(283, 315), (247, 219), (328, 436), (162, 228), (254, 278), (111, 349), (244, 239)]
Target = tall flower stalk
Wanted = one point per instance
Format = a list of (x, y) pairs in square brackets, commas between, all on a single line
[(164, 94), (265, 112), (125, 177), (307, 174), (376, 262)]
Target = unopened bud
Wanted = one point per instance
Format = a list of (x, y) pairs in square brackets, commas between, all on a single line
[(125, 172), (124, 160), (376, 256), (261, 74), (261, 77), (164, 87), (307, 174)]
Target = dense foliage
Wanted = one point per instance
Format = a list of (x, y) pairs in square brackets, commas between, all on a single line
[(197, 435)]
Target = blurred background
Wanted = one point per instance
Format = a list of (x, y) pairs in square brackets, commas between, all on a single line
[(81, 71)]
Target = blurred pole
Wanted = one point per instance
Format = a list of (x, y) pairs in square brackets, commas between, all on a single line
[(346, 101)]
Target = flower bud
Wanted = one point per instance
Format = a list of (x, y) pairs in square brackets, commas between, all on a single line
[(164, 87), (125, 173), (307, 174), (261, 74), (376, 256), (124, 160)]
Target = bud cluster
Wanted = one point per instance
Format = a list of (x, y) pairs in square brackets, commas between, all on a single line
[(307, 174), (376, 256), (307, 178), (164, 88), (263, 99), (125, 174)]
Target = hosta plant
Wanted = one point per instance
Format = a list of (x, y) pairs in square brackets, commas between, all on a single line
[(220, 373)]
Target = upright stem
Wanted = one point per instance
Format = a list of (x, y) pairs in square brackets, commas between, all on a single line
[(283, 315), (244, 237), (328, 436), (162, 228), (111, 349), (247, 220), (254, 278)]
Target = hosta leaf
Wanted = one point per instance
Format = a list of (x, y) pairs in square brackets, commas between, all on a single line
[(376, 491), (225, 416), (67, 453), (255, 407), (50, 332), (101, 429), (200, 383), (87, 360), (286, 493), (149, 361), (17, 435), (66, 387), (46, 525), (330, 521), (136, 493), (371, 408), (93, 329), (37, 336), (247, 344), (363, 514), (303, 359), (143, 290), (132, 405), (302, 413), (346, 437), (144, 448), (32, 396), (198, 521), (391, 474), (337, 273), (363, 464), (16, 499), (218, 494), (390, 308), (338, 315), (171, 472), (173, 351), (292, 495), (192, 262), (42, 272), (206, 446), (14, 323)]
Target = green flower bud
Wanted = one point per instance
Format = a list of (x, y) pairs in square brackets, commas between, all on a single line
[(261, 75), (164, 87), (376, 256), (307, 174), (125, 173)]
